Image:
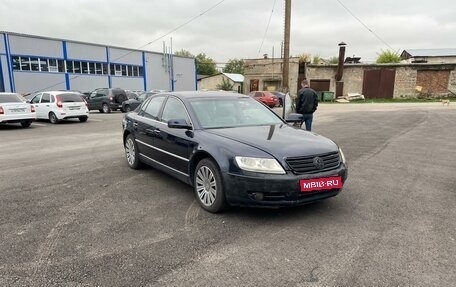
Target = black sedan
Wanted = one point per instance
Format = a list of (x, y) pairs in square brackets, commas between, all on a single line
[(233, 150)]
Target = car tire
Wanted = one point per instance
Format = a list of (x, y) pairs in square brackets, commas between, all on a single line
[(83, 119), (105, 108), (131, 153), (207, 183), (26, 124), (127, 108), (100, 110), (53, 118), (280, 103)]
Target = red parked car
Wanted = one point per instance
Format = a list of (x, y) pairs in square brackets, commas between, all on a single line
[(265, 97)]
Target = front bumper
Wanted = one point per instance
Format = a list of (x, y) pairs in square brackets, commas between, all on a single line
[(268, 190)]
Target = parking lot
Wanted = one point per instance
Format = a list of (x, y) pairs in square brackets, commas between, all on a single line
[(74, 214)]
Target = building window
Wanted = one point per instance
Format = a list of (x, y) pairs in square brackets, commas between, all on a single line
[(92, 68), (98, 68), (105, 69), (53, 65), (25, 64), (44, 65), (16, 60), (34, 64), (61, 66)]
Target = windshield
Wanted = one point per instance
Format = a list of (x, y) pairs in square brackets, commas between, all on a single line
[(69, 98), (232, 112), (11, 98)]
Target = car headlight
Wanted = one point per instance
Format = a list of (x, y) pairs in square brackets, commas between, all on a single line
[(342, 156), (264, 165)]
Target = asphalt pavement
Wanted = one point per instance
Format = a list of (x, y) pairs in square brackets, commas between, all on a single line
[(73, 214)]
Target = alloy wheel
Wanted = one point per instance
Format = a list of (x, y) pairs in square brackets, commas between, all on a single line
[(130, 151), (206, 186)]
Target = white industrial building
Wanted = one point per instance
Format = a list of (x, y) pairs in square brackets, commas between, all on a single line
[(32, 63)]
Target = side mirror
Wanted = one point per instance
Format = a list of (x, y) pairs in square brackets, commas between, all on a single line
[(294, 118), (179, 124)]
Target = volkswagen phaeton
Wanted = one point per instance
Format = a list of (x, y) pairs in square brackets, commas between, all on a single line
[(233, 150)]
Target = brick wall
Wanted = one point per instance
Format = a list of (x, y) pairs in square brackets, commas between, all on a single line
[(406, 78)]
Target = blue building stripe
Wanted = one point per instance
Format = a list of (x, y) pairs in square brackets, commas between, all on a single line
[(108, 61), (144, 70), (65, 57), (2, 82), (8, 61)]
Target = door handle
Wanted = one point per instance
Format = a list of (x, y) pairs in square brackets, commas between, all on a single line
[(157, 131), (135, 125)]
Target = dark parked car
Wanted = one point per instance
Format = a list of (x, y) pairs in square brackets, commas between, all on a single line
[(232, 150), (132, 94), (131, 104), (106, 100)]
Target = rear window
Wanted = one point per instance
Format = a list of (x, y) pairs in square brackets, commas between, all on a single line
[(69, 98), (11, 98)]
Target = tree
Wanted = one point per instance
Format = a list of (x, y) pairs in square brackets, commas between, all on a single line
[(304, 58), (317, 60), (205, 65), (234, 66), (388, 56), (184, 53), (333, 60), (225, 85)]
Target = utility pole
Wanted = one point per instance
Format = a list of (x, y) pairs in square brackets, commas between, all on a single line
[(286, 48)]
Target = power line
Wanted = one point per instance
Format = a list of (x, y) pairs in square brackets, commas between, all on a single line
[(362, 23), (267, 28)]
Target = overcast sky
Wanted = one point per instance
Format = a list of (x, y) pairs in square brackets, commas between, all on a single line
[(236, 28)]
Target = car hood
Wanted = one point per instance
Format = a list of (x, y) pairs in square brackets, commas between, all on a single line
[(280, 140)]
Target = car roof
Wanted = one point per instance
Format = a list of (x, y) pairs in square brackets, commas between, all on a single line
[(61, 92), (206, 94)]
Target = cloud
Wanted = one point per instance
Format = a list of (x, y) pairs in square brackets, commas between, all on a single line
[(235, 28)]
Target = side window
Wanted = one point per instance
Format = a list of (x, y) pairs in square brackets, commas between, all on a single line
[(46, 98), (52, 99), (258, 94), (100, 93), (174, 109), (153, 107), (36, 99)]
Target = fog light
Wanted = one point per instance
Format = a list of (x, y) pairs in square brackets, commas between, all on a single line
[(258, 196)]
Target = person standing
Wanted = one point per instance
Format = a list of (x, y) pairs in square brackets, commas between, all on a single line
[(307, 103)]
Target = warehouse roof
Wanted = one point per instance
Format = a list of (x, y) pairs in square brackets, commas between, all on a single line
[(410, 53)]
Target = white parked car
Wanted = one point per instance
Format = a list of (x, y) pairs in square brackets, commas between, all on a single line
[(60, 105), (14, 109)]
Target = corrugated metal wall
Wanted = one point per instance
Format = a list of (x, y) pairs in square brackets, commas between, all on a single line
[(155, 75)]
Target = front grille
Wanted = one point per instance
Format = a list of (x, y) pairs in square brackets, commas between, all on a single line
[(305, 164)]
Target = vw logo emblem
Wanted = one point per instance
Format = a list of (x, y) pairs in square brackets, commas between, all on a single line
[(318, 162)]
